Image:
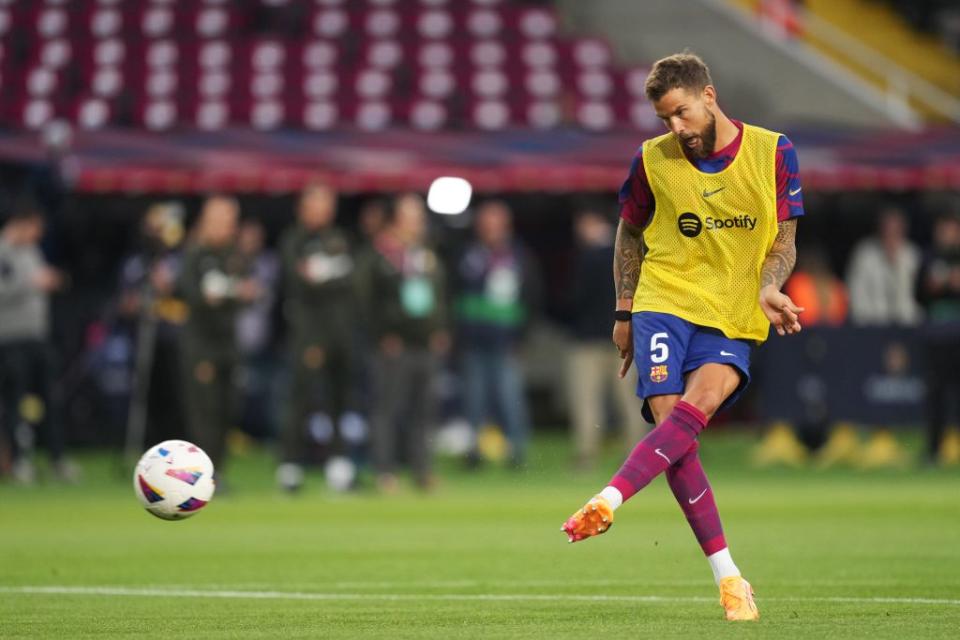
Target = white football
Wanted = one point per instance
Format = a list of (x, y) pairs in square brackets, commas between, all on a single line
[(174, 480)]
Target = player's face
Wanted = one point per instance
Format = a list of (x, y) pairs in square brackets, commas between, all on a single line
[(690, 117), (318, 207)]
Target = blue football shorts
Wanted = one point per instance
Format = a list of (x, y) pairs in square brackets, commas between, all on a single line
[(666, 348)]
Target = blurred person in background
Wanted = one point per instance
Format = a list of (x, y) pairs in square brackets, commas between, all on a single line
[(498, 291), (27, 360), (150, 315), (321, 309), (371, 220), (593, 365), (255, 333), (403, 290), (938, 289), (215, 284), (882, 274), (824, 298), (818, 290)]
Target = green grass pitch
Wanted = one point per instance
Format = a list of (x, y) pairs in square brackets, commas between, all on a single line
[(834, 554)]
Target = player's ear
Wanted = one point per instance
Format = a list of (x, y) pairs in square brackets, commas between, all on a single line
[(710, 95)]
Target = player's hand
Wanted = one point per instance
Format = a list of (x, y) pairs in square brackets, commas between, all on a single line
[(623, 339), (780, 310)]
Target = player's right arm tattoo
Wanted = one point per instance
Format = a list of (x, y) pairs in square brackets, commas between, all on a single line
[(628, 254), (782, 256)]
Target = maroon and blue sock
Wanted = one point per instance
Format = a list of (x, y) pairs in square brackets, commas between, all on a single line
[(662, 447), (690, 487)]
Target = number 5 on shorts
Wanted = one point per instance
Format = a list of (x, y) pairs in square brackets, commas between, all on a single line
[(659, 351)]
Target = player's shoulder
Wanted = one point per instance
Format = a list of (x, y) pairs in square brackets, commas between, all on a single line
[(769, 134)]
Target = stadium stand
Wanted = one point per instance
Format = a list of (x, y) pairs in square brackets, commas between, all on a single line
[(319, 65)]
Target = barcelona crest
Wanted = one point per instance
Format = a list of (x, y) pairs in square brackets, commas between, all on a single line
[(658, 372)]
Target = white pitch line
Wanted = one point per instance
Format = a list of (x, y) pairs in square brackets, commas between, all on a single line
[(469, 597)]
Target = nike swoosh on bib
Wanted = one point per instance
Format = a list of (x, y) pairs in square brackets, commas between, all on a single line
[(707, 194)]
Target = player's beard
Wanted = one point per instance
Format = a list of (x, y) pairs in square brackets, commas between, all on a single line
[(708, 139)]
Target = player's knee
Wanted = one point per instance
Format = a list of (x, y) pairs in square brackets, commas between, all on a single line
[(707, 401)]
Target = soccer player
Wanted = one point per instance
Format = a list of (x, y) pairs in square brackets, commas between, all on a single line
[(705, 242)]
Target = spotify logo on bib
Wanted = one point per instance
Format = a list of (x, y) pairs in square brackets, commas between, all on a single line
[(689, 224)]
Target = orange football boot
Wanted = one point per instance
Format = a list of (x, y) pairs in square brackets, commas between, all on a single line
[(593, 519)]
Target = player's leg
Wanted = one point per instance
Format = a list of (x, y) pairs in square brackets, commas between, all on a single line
[(660, 346)]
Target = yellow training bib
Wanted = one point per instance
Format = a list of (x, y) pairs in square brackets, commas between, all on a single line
[(709, 235)]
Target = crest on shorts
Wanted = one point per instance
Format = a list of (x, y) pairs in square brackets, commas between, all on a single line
[(659, 373)]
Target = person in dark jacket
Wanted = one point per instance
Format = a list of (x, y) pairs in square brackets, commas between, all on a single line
[(938, 290), (215, 285), (593, 366), (403, 290), (320, 308)]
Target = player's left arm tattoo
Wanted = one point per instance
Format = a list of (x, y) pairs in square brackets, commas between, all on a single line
[(782, 257)]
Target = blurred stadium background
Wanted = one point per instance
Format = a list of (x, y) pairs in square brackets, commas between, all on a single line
[(118, 119)]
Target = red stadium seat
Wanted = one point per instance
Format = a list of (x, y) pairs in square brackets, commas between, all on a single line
[(6, 21), (435, 24), (92, 113), (372, 84), (157, 115), (489, 83), (42, 82), (267, 115), (213, 84), (539, 54), (483, 23), (542, 83), (156, 21), (320, 115), (595, 84), (438, 84), (537, 23), (642, 115), (266, 85), (543, 114), (381, 23), (435, 53), (591, 53), (635, 79), (103, 22), (373, 115), (35, 113), (105, 81), (490, 115), (488, 53), (160, 83), (595, 115), (318, 54), (210, 115), (427, 115), (319, 85), (51, 22), (330, 23), (382, 54), (55, 54)]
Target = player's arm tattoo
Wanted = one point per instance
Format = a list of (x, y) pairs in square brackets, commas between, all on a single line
[(627, 256), (782, 256)]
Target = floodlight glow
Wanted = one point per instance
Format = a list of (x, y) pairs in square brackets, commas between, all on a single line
[(449, 195)]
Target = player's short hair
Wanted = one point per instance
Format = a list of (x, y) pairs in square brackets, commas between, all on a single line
[(680, 71)]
